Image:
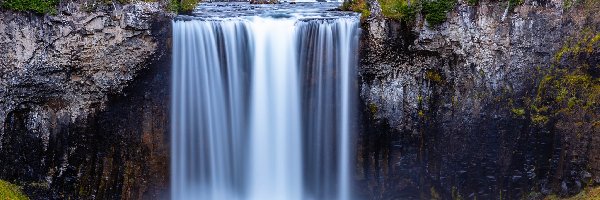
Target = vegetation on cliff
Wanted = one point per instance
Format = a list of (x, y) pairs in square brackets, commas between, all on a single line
[(183, 6), (10, 191), (568, 94), (38, 6), (434, 11), (359, 6), (399, 9), (588, 194), (50, 6)]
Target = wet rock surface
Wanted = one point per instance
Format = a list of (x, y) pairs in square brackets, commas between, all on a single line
[(73, 123), (437, 105)]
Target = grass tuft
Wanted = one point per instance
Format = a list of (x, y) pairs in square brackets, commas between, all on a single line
[(37, 6)]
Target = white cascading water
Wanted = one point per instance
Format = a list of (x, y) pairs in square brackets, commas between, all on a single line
[(262, 106)]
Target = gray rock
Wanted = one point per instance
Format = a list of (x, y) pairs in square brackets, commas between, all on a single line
[(57, 74)]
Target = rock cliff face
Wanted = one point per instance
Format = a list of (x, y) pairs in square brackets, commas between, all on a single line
[(73, 123), (441, 104)]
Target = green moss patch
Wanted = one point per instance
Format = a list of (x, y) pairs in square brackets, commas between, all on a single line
[(514, 3), (359, 6), (38, 6), (187, 6), (10, 191), (569, 92), (436, 11), (399, 9), (587, 194), (434, 76)]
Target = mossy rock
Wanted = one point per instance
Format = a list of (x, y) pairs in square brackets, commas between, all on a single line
[(10, 191), (568, 93), (587, 194)]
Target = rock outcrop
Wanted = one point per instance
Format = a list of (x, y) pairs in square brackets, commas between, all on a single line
[(71, 124), (441, 104)]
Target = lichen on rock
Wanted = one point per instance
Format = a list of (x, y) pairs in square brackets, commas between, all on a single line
[(11, 191)]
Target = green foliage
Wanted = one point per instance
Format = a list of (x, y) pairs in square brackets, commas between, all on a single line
[(539, 120), (568, 4), (10, 191), (181, 6), (187, 6), (359, 6), (399, 9), (472, 2), (435, 11), (38, 6), (434, 76), (373, 108), (519, 112), (514, 3), (569, 92), (592, 193), (173, 6)]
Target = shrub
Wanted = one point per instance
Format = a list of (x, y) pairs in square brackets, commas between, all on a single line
[(38, 6), (359, 6), (399, 9), (435, 11), (514, 3), (187, 6)]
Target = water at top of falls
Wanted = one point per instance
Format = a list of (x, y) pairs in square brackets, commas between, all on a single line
[(302, 10), (262, 102)]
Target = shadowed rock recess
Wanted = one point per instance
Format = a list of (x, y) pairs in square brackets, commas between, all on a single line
[(447, 111)]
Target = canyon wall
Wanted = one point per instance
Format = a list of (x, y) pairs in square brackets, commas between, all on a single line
[(73, 122), (445, 110)]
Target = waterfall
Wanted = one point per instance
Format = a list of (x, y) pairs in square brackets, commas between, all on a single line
[(262, 107)]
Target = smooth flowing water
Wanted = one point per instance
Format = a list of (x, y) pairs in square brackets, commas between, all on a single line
[(262, 102)]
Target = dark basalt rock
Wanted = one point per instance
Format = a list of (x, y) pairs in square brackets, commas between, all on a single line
[(437, 119), (73, 123)]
